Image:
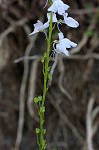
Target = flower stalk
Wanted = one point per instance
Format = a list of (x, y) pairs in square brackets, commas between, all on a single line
[(46, 66), (47, 59)]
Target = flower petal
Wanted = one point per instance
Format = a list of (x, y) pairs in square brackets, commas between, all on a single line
[(67, 43), (65, 6), (71, 22), (60, 35), (35, 31), (61, 7), (61, 49), (46, 25), (61, 10), (54, 19), (58, 6), (39, 26), (65, 52), (53, 8)]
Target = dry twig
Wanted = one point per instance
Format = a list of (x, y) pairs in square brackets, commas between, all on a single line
[(57, 144), (23, 88), (84, 11), (26, 58), (64, 117), (89, 124), (52, 69), (32, 88), (83, 57), (12, 27), (91, 127), (85, 38), (62, 69)]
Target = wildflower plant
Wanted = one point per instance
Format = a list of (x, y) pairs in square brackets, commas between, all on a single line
[(60, 46)]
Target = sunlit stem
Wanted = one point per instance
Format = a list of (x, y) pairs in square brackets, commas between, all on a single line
[(46, 73)]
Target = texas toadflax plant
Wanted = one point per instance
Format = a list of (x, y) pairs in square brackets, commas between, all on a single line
[(60, 46)]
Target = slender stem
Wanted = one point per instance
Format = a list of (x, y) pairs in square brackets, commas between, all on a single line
[(47, 60), (41, 131), (46, 72)]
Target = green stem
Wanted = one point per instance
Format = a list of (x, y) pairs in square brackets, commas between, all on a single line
[(46, 72), (47, 60), (41, 131)]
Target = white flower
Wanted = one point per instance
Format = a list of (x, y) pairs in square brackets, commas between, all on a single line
[(58, 6), (63, 44), (54, 19), (70, 21), (39, 26)]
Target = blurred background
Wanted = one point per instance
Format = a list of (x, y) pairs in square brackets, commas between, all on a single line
[(72, 102)]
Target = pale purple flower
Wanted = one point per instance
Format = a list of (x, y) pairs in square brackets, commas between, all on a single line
[(70, 21), (39, 26), (54, 19), (63, 44), (58, 6)]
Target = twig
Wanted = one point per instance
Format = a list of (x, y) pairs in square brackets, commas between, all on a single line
[(88, 70), (32, 87), (52, 69), (83, 57), (26, 58), (89, 124), (22, 90), (85, 38), (61, 69), (94, 114), (84, 11), (64, 118), (91, 127), (12, 27), (57, 144)]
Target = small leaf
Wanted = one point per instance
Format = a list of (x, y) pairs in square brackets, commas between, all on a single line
[(43, 142), (42, 109), (44, 131), (39, 98), (48, 69), (37, 130), (44, 146), (36, 100), (42, 60), (49, 76)]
